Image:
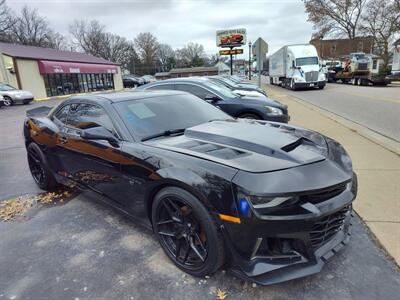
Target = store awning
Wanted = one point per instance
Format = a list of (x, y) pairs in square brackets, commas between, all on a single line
[(55, 67)]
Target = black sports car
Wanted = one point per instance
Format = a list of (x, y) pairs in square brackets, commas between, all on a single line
[(271, 201)]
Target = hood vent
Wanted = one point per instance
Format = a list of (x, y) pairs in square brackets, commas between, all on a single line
[(212, 149)]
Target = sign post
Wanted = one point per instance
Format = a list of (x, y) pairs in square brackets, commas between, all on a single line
[(260, 49)]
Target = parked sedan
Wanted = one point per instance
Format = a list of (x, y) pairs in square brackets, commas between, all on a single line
[(130, 81), (269, 201), (233, 104), (239, 88), (12, 95)]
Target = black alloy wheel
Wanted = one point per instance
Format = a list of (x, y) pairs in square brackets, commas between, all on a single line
[(187, 232), (40, 173)]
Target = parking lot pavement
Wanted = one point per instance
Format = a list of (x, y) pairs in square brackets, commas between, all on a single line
[(83, 250)]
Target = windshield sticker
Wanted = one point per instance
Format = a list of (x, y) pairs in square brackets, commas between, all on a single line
[(141, 110)]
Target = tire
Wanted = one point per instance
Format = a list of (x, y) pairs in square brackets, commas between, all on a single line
[(39, 169), (180, 219), (250, 116), (292, 85), (8, 101), (321, 87)]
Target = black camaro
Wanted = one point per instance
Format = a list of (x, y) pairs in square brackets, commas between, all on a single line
[(270, 201)]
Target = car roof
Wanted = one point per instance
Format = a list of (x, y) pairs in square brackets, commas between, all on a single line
[(186, 79), (127, 95)]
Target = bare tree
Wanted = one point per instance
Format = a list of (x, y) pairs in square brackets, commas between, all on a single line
[(192, 55), (6, 18), (118, 49), (381, 20), (166, 57), (89, 37), (147, 48), (335, 16), (29, 28)]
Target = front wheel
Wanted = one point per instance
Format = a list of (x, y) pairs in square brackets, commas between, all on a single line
[(8, 101), (187, 232)]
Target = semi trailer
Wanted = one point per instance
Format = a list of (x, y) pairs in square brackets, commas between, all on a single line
[(296, 66)]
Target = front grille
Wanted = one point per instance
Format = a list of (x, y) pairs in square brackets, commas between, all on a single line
[(362, 66), (326, 228), (311, 76), (323, 195)]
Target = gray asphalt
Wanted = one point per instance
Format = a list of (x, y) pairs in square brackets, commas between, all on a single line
[(376, 108), (82, 249)]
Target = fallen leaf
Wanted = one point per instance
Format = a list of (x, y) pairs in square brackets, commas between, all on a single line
[(221, 295)]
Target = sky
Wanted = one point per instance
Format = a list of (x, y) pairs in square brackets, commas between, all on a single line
[(178, 22)]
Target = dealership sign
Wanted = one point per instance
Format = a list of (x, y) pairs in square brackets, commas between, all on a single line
[(231, 37), (231, 52)]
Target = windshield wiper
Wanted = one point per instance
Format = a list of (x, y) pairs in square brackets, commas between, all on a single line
[(164, 133)]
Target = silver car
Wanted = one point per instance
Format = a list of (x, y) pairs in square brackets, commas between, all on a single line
[(1, 101), (12, 95)]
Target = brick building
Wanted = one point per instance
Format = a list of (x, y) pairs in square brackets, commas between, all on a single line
[(336, 48)]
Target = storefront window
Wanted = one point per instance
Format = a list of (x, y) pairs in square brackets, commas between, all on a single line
[(65, 84)]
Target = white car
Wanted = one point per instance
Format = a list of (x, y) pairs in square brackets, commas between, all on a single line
[(1, 101), (12, 95)]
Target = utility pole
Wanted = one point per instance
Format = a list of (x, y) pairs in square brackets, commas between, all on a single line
[(249, 60), (231, 61)]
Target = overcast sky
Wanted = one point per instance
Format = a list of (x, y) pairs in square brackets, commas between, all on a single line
[(177, 22)]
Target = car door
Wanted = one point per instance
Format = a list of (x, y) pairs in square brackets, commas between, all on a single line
[(92, 163)]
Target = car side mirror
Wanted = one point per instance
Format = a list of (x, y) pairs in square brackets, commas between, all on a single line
[(99, 133), (211, 98)]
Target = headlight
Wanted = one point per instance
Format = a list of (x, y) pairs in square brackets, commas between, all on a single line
[(271, 202), (273, 110)]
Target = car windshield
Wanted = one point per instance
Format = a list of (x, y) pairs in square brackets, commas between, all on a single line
[(234, 79), (228, 81), (305, 61), (6, 87), (151, 116), (221, 89)]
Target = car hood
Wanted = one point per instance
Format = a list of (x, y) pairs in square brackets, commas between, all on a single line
[(252, 146), (249, 99), (249, 93), (247, 85)]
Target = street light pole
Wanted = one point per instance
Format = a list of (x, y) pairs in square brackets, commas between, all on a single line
[(249, 60)]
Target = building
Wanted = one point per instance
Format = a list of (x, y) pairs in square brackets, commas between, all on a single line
[(49, 72), (223, 68), (188, 72), (337, 48)]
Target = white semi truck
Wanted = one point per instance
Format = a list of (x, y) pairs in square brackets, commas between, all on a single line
[(296, 66)]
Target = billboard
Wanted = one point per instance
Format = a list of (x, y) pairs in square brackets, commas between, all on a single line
[(231, 37)]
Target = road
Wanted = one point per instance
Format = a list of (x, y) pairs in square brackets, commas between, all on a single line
[(376, 108), (82, 249)]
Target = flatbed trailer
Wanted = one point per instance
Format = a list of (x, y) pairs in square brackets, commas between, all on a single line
[(359, 79)]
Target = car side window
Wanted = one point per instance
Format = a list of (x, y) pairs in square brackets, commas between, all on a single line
[(161, 87), (62, 113), (83, 116), (193, 89)]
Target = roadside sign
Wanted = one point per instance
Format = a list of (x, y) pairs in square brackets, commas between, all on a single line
[(231, 37), (263, 47), (259, 49), (231, 52)]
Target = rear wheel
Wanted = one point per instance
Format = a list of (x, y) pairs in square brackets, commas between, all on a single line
[(40, 172), (8, 101), (187, 232)]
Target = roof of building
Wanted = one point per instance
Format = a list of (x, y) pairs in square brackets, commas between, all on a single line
[(31, 52), (159, 74), (194, 70)]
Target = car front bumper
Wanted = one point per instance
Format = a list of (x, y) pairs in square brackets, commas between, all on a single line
[(23, 100), (310, 84), (273, 249)]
